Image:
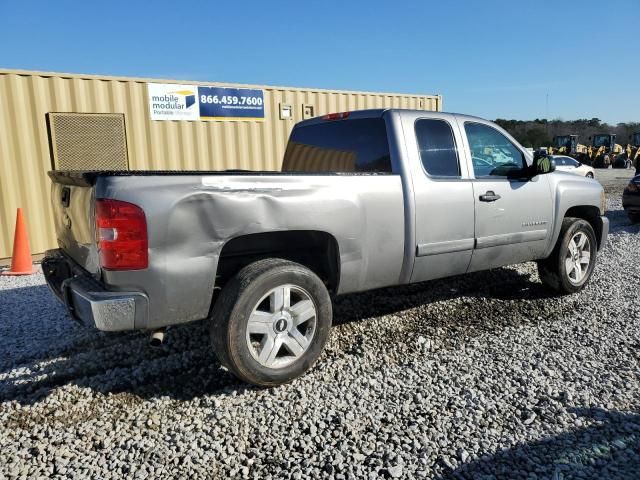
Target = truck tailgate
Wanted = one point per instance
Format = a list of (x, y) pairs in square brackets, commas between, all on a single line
[(72, 198)]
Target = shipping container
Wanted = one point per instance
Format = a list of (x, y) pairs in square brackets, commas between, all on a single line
[(70, 121)]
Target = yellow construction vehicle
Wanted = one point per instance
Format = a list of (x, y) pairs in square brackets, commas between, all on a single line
[(604, 150), (568, 145)]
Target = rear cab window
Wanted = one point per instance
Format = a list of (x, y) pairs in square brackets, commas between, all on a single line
[(347, 146), (438, 152)]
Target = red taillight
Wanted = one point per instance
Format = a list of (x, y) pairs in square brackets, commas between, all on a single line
[(121, 232), (335, 116)]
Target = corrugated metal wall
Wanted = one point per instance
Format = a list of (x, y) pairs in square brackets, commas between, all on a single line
[(26, 97)]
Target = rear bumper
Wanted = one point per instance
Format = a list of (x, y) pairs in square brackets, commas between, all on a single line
[(88, 301)]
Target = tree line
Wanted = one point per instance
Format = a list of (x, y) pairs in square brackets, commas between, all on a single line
[(540, 132)]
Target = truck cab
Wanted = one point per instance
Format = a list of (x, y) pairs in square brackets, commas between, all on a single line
[(469, 177)]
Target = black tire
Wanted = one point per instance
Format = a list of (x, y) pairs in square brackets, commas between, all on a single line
[(589, 175), (553, 271), (231, 312), (634, 217)]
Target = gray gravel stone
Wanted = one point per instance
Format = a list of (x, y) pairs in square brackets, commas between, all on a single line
[(395, 472)]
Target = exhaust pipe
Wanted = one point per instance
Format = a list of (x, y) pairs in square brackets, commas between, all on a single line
[(156, 338)]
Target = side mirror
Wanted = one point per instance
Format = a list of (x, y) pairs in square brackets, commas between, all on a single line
[(542, 165)]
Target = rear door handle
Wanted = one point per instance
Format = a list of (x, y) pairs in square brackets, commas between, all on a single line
[(490, 196)]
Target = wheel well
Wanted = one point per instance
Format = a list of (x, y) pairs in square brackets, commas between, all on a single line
[(318, 251), (591, 214)]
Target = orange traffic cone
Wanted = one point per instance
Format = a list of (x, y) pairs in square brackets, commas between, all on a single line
[(21, 260)]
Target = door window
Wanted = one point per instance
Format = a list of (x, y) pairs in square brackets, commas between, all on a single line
[(438, 151), (492, 154)]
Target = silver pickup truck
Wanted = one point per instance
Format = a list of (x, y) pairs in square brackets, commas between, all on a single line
[(365, 199)]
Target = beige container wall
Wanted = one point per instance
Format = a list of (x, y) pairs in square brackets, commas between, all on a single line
[(26, 97)]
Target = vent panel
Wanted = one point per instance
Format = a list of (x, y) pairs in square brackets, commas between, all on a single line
[(88, 141)]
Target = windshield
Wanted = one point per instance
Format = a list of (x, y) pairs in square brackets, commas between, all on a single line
[(636, 138), (563, 141), (601, 140)]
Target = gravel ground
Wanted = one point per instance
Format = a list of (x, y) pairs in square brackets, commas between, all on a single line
[(484, 376)]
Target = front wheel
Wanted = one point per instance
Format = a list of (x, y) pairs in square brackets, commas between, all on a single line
[(570, 265), (271, 322), (589, 175)]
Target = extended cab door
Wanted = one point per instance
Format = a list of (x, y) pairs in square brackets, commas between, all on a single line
[(512, 215), (442, 193)]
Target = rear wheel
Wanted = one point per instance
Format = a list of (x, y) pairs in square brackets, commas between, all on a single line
[(570, 265), (589, 175), (271, 322), (634, 217)]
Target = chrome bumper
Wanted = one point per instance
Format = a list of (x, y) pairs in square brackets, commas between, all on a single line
[(90, 302)]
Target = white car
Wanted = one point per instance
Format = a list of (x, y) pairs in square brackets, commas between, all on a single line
[(571, 165)]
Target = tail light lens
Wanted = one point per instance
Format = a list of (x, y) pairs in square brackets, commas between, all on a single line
[(121, 232)]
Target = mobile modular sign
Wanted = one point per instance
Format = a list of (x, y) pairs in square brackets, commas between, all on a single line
[(194, 102)]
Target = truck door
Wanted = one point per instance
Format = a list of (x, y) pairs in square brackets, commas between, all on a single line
[(512, 215), (443, 196)]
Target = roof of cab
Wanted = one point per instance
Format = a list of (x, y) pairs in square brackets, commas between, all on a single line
[(379, 112)]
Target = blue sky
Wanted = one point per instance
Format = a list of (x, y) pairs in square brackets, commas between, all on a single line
[(490, 58)]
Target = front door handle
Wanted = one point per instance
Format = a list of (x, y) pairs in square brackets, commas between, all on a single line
[(490, 196)]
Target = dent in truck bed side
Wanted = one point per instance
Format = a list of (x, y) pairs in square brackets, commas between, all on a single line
[(191, 217)]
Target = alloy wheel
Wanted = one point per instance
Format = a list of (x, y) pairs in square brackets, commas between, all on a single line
[(578, 257), (281, 326)]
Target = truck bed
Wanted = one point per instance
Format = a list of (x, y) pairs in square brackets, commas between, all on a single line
[(193, 216)]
